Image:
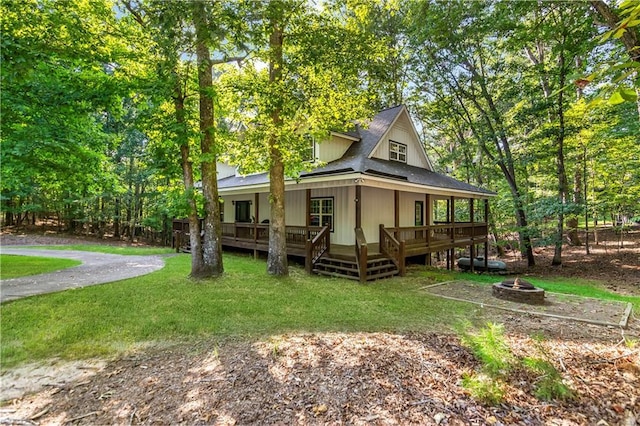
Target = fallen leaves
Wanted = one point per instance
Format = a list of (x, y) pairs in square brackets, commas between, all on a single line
[(356, 378)]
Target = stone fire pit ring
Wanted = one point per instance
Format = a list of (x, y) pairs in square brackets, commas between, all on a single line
[(518, 290)]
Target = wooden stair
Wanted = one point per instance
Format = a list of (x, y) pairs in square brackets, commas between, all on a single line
[(378, 268)]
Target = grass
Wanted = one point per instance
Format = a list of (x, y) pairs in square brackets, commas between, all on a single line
[(245, 302), (101, 248), (13, 266)]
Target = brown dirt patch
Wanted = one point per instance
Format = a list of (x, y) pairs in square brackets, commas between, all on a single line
[(584, 309), (615, 261)]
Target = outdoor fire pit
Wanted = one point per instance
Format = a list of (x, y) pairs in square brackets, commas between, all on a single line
[(518, 290)]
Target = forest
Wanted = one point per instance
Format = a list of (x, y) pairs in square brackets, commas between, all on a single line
[(116, 112)]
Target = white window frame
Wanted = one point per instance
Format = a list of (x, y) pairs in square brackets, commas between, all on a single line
[(322, 203), (397, 151), (314, 154)]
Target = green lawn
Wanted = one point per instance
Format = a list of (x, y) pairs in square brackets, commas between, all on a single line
[(13, 266), (246, 302), (101, 248)]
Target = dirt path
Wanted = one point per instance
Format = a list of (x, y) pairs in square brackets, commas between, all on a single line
[(96, 268)]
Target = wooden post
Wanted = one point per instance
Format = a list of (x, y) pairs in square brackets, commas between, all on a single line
[(307, 221), (402, 260), (428, 220), (358, 206), (256, 202), (307, 256), (452, 217), (486, 242), (396, 209), (472, 253)]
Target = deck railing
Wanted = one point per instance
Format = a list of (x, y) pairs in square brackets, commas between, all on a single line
[(259, 232), (442, 234), (317, 246), (392, 248), (361, 254)]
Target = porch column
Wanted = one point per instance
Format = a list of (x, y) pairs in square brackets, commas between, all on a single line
[(472, 247), (486, 236), (358, 206), (396, 211), (256, 202), (307, 220), (428, 214), (396, 208), (452, 220)]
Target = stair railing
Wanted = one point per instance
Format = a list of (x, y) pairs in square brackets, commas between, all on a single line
[(316, 247), (393, 249), (361, 254)]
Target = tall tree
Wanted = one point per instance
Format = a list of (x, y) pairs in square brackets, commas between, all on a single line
[(310, 86), (456, 51), (555, 37), (212, 244)]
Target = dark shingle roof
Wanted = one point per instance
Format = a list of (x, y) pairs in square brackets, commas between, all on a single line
[(356, 159)]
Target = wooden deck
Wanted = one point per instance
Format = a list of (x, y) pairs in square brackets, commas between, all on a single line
[(312, 243)]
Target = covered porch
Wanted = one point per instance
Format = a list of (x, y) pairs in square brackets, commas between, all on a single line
[(362, 260)]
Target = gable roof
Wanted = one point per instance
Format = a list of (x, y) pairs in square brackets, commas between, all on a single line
[(358, 159)]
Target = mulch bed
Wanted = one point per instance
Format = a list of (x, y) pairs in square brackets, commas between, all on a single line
[(576, 308), (335, 378)]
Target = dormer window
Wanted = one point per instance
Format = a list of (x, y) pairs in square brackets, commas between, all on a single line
[(397, 152), (309, 155)]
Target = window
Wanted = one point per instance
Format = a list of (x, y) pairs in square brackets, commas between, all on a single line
[(322, 212), (243, 211), (397, 151), (309, 154)]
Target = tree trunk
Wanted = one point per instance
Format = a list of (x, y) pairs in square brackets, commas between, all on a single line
[(277, 256), (197, 264), (212, 244), (572, 221), (561, 172), (116, 219)]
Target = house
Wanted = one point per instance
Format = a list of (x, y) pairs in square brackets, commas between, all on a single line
[(373, 201)]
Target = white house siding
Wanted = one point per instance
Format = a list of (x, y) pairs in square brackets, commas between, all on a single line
[(225, 170), (344, 211), (377, 208), (332, 149), (402, 132), (407, 207)]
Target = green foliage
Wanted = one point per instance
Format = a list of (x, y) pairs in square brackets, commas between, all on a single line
[(484, 388), (490, 347), (318, 90), (549, 385), (13, 266), (492, 350)]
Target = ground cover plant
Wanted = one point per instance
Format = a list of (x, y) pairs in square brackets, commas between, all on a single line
[(13, 266)]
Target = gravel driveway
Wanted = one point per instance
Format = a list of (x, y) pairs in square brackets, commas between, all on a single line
[(96, 268)]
